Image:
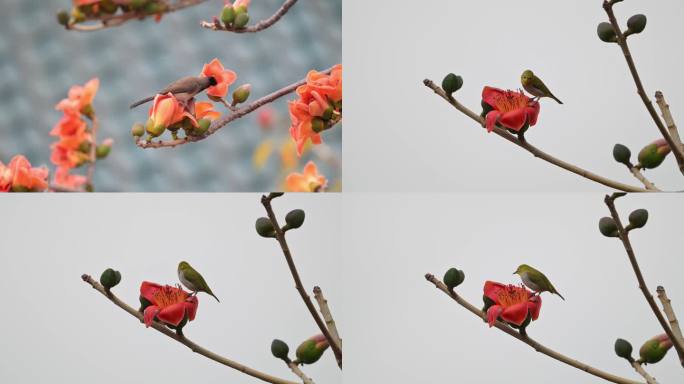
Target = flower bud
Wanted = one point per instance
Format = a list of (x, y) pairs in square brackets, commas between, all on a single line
[(636, 23), (264, 227), (451, 83), (241, 94), (608, 227), (622, 154), (453, 278), (638, 218), (63, 17), (85, 146), (241, 20), (606, 32), (154, 130), (295, 218), (328, 113), (279, 349), (108, 7), (655, 349), (317, 124), (110, 278), (652, 155), (137, 130), (623, 349), (202, 127), (137, 4), (102, 150), (228, 15), (312, 349)]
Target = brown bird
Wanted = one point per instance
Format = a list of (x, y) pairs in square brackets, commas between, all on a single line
[(183, 89)]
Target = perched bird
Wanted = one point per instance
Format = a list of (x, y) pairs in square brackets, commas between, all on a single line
[(535, 86), (535, 280), (193, 280), (183, 89)]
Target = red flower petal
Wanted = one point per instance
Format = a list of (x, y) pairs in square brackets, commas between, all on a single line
[(492, 289), (149, 314), (515, 314), (493, 313), (173, 314), (491, 119), (533, 113), (514, 119), (148, 289), (191, 307), (534, 305), (489, 95)]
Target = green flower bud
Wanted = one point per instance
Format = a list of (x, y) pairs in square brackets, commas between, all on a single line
[(638, 218), (154, 130), (317, 124), (636, 23), (77, 15), (623, 349), (137, 130), (228, 15), (63, 17), (328, 113), (622, 154), (84, 147), (453, 278), (295, 218), (241, 20), (264, 227), (202, 127), (103, 150), (608, 227), (312, 349), (241, 94), (655, 349), (110, 278), (652, 155), (606, 32), (452, 83), (108, 6), (279, 349)]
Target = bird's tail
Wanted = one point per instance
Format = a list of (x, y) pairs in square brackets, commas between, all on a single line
[(559, 102), (214, 296), (145, 100), (561, 296)]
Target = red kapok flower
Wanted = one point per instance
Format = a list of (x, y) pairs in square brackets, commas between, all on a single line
[(80, 97), (327, 85), (301, 129), (512, 110), (19, 175), (204, 110), (166, 110), (169, 305), (224, 78), (309, 181), (512, 303)]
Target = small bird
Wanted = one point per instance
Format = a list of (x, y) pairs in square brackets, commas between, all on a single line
[(193, 280), (183, 89), (535, 280), (535, 86)]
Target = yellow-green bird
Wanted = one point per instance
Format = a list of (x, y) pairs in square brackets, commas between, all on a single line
[(535, 86), (535, 280), (193, 280)]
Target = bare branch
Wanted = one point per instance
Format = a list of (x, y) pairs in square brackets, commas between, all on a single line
[(527, 340), (640, 370), (327, 315), (295, 369), (640, 176), (667, 116), (669, 312), (258, 27)]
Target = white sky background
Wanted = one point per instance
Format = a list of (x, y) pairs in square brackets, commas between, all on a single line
[(58, 329), (406, 138), (403, 330)]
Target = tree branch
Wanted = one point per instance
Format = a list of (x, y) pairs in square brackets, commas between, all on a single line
[(636, 172), (184, 340), (667, 116), (669, 312), (624, 237), (93, 153), (640, 370), (527, 340), (530, 148), (327, 315), (109, 21), (260, 26), (295, 369), (280, 236), (224, 120), (622, 42)]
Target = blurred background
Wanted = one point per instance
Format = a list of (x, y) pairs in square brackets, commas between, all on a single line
[(40, 60)]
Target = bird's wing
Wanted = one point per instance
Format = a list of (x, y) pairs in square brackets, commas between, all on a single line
[(183, 85), (537, 83)]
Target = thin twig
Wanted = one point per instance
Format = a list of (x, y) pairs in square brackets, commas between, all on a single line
[(622, 42), (184, 340), (109, 21), (93, 153), (260, 26), (640, 176), (280, 236), (640, 370), (669, 120), (224, 120), (624, 237), (327, 315), (669, 312), (530, 148), (527, 340), (295, 369)]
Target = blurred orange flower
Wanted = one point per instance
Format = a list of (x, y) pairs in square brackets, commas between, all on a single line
[(64, 179), (309, 181), (224, 78), (80, 97), (301, 129), (204, 110), (166, 110), (20, 176)]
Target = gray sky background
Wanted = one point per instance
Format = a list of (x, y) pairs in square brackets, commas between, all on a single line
[(57, 329), (403, 330), (405, 138)]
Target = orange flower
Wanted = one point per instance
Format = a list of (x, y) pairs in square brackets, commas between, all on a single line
[(64, 179), (66, 153), (18, 175), (224, 78), (309, 181), (85, 2), (80, 97), (166, 111), (326, 85), (240, 3), (204, 110), (301, 129), (70, 124)]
